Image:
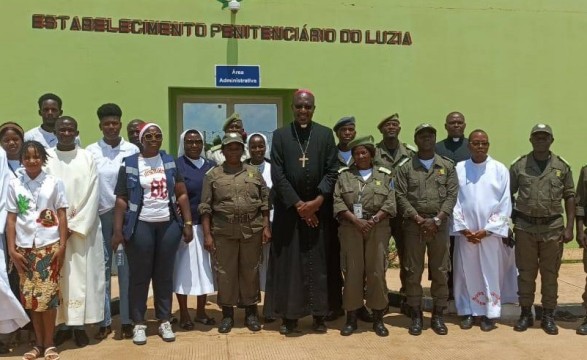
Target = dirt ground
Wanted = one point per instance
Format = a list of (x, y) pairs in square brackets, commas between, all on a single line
[(205, 342)]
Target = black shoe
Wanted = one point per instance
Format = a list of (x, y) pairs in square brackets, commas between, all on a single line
[(227, 321), (547, 324), (126, 331), (582, 330), (226, 325), (351, 323), (103, 332), (378, 325), (467, 322), (437, 321), (288, 326), (416, 326), (526, 319), (62, 336), (318, 324), (334, 314), (252, 319), (487, 324), (364, 315), (81, 338)]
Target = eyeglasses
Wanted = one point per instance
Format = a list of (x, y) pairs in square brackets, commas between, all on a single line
[(151, 136), (193, 142), (480, 144), (301, 106)]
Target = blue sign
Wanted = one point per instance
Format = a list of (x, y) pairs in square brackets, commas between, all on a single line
[(238, 76)]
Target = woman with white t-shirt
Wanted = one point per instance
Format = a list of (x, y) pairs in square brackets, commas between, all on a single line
[(148, 192)]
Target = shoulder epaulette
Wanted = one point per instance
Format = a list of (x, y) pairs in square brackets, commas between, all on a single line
[(517, 159), (212, 168), (448, 159), (411, 147), (342, 169), (385, 170), (563, 160), (215, 147), (405, 160)]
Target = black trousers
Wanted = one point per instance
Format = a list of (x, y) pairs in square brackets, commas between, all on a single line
[(151, 256)]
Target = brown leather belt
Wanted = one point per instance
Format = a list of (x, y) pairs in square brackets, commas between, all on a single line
[(537, 220)]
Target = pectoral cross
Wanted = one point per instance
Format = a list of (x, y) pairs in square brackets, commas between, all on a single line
[(303, 160)]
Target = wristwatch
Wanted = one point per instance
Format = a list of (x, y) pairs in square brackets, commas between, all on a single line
[(437, 221), (375, 219)]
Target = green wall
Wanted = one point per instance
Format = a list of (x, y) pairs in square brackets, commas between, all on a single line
[(505, 64)]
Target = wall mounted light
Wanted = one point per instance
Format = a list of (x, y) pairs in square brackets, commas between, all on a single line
[(234, 6)]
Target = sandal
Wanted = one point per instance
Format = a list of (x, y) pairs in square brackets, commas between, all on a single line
[(51, 353), (205, 320), (187, 325), (34, 353)]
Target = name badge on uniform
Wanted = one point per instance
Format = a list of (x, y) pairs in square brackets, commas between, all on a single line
[(358, 210)]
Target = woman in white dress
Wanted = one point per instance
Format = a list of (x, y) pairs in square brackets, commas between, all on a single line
[(13, 315), (193, 271), (258, 150)]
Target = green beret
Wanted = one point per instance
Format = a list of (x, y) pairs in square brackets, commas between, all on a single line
[(364, 140), (347, 120), (394, 117), (423, 127), (232, 137), (541, 128), (232, 118)]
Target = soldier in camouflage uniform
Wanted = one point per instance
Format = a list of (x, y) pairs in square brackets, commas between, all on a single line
[(426, 192), (233, 124), (539, 182)]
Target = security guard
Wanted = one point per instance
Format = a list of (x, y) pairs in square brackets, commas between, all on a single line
[(391, 153), (345, 132), (541, 181), (363, 199), (426, 192), (581, 236), (233, 124), (235, 220)]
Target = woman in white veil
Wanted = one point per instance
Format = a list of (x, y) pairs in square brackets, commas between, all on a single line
[(193, 271), (258, 151)]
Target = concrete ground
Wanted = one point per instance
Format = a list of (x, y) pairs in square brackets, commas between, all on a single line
[(205, 342)]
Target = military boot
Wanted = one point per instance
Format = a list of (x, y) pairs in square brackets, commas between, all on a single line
[(251, 318), (351, 323), (227, 320), (437, 321), (547, 324), (416, 326), (378, 325), (526, 319), (582, 330)]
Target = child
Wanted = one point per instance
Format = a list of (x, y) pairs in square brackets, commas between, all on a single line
[(36, 232)]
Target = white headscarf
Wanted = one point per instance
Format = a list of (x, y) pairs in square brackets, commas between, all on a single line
[(145, 127), (267, 149), (181, 149)]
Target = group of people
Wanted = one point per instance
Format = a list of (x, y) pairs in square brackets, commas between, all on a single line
[(308, 220)]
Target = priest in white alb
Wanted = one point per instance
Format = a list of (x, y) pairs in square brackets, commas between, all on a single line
[(484, 273), (82, 282)]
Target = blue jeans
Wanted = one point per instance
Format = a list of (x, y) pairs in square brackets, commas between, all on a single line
[(107, 220), (151, 256)]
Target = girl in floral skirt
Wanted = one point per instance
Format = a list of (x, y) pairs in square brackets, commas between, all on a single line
[(36, 232)]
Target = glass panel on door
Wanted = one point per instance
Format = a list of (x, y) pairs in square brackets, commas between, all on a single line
[(207, 118)]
